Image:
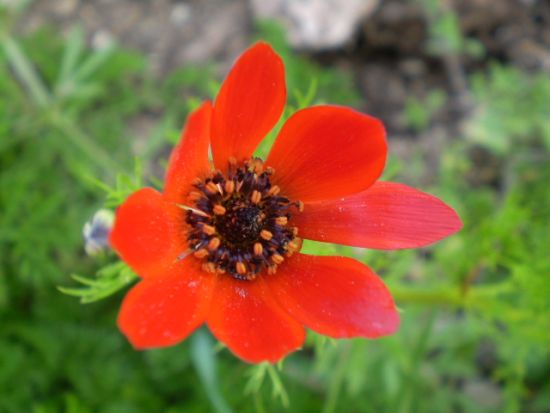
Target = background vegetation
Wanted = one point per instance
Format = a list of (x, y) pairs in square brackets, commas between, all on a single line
[(476, 316)]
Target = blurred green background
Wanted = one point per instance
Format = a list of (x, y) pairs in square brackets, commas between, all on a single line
[(87, 87)]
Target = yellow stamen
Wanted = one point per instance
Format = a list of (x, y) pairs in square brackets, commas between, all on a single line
[(208, 229), (201, 253), (209, 267), (194, 196), (230, 186), (256, 197), (241, 268), (258, 166), (258, 248), (294, 245), (277, 258), (214, 244), (211, 187), (219, 210), (265, 234), (274, 190)]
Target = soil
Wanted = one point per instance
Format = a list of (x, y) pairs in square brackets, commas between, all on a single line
[(389, 55)]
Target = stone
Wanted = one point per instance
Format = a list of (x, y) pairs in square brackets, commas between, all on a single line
[(316, 24)]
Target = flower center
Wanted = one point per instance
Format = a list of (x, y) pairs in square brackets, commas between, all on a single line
[(239, 222)]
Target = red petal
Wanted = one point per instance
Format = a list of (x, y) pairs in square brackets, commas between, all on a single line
[(250, 102), (249, 321), (162, 311), (189, 158), (325, 152), (147, 233), (386, 216), (335, 296)]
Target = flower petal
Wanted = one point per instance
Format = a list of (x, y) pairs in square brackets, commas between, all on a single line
[(388, 215), (162, 311), (335, 296), (147, 233), (245, 317), (189, 158), (324, 152), (250, 102)]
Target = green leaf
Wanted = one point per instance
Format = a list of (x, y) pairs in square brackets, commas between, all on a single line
[(204, 360)]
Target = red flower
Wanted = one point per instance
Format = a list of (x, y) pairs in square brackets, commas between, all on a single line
[(221, 245)]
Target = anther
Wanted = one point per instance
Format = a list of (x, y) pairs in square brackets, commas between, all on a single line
[(258, 248), (281, 221), (214, 244), (219, 210), (258, 166), (274, 190), (209, 267), (300, 206), (208, 229), (277, 258), (230, 186), (194, 196), (294, 245), (265, 234), (256, 197), (294, 231), (197, 181), (201, 253), (211, 187), (240, 267)]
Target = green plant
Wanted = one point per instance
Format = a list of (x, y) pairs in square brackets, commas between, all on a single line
[(419, 113), (512, 110), (475, 308)]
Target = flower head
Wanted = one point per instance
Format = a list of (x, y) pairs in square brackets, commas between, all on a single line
[(220, 245), (96, 232)]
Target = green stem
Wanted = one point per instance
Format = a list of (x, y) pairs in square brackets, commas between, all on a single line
[(258, 403), (204, 361), (338, 379), (85, 144), (41, 97), (25, 72), (278, 387), (447, 297), (453, 297)]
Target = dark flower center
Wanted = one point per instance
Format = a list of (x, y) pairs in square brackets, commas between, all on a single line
[(240, 226), (239, 223)]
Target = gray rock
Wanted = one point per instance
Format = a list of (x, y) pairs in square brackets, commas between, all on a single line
[(316, 24)]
